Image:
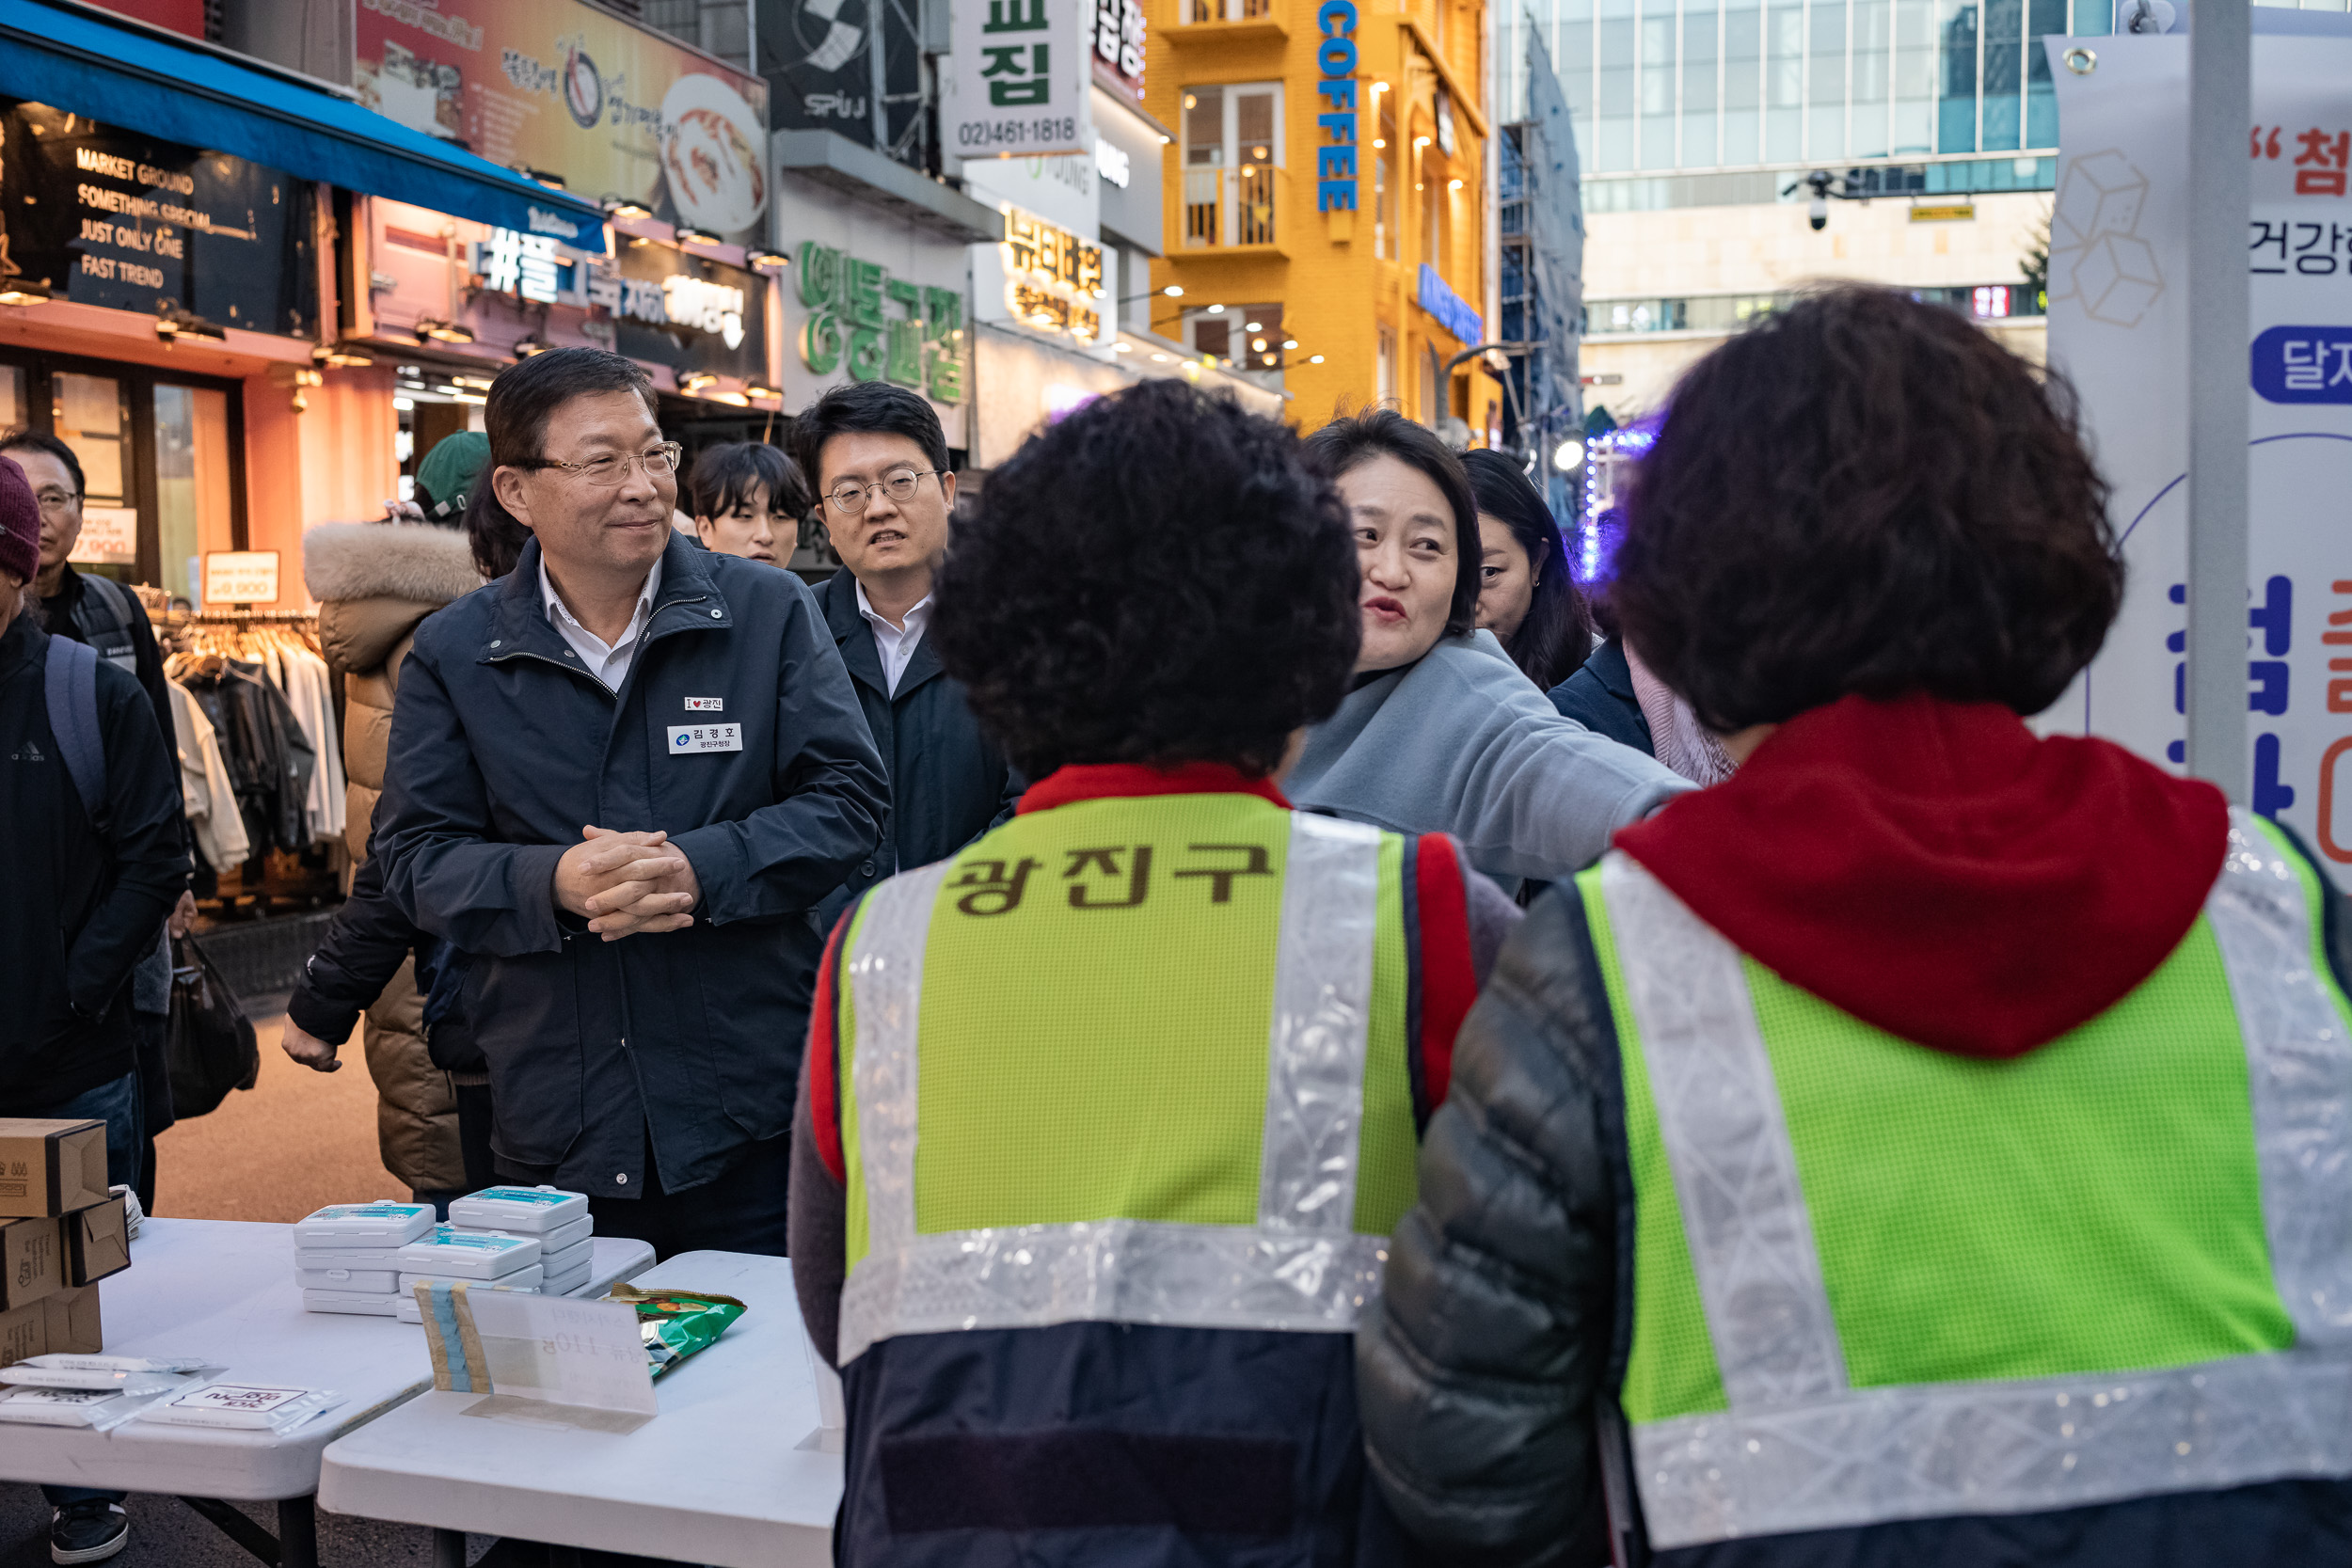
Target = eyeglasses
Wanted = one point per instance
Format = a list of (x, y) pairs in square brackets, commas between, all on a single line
[(55, 502), (606, 473), (849, 496)]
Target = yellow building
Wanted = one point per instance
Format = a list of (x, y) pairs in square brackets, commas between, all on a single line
[(1329, 198)]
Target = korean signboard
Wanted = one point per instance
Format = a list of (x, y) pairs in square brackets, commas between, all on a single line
[(866, 324), (1019, 80), (109, 217), (1054, 280), (1119, 38), (2119, 326), (671, 308), (562, 87)]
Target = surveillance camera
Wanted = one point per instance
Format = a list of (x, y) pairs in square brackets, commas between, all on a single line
[(1818, 213)]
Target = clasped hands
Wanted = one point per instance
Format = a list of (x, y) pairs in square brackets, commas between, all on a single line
[(625, 884)]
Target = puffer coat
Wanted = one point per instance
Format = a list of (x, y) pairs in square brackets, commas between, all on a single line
[(376, 583)]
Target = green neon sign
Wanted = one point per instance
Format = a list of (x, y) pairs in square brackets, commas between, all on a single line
[(851, 321)]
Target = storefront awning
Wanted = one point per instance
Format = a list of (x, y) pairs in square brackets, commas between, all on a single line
[(127, 76)]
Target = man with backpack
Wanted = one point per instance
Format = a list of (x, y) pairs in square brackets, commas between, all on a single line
[(84, 606), (97, 859)]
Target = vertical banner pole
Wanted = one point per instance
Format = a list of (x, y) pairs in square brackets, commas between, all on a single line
[(2220, 113)]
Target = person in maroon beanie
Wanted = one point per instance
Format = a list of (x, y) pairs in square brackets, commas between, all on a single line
[(87, 893), (1932, 1145)]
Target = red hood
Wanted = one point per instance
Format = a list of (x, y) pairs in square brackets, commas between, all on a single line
[(1935, 869)]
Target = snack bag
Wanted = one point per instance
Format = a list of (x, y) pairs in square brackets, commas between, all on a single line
[(676, 1323)]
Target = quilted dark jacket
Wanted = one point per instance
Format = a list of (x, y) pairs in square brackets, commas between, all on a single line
[(1503, 1329)]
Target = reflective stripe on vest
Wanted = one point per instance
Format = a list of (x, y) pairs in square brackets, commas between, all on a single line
[(1302, 1267), (1799, 1450)]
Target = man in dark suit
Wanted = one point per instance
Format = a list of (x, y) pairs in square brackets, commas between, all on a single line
[(878, 460)]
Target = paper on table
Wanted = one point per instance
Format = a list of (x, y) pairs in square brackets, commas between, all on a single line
[(550, 1350)]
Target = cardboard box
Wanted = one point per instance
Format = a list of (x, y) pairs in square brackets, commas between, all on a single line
[(96, 1243), (73, 1328), (51, 1168), (24, 1331), (32, 1262)]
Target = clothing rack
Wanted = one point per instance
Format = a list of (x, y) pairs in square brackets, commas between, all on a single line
[(238, 618)]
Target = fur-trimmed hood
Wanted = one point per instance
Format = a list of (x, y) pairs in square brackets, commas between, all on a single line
[(374, 582)]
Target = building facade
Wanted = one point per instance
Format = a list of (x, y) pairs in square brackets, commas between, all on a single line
[(1329, 200), (1704, 127)]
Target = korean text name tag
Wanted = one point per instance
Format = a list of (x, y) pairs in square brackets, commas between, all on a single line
[(686, 739), (705, 704)]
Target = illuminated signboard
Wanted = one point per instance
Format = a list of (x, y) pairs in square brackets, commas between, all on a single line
[(851, 324), (1053, 278), (524, 265), (1335, 58), (1118, 33), (1452, 312)]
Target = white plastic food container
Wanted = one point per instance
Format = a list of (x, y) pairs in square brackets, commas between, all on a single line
[(515, 1279), (561, 1239), (365, 1225), (346, 1257), (527, 1210), (367, 1304), (568, 1262), (450, 1253), (381, 1282)]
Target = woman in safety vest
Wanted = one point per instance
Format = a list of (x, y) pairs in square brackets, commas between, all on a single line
[(1107, 1119), (1933, 1145)]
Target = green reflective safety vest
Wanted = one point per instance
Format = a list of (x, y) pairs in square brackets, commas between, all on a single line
[(1133, 1060), (1873, 1281)]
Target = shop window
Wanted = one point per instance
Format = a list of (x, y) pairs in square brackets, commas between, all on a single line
[(161, 461), (1250, 340), (193, 513), (89, 414), (1386, 373), (1233, 163), (1384, 235)]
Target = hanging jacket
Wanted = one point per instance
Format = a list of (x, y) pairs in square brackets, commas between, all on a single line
[(1916, 1150), (1168, 1044)]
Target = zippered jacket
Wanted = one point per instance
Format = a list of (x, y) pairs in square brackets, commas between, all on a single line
[(504, 748)]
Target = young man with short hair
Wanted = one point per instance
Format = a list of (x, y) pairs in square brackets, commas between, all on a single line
[(621, 776), (879, 460)]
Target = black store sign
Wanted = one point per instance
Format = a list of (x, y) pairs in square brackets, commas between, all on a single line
[(109, 217), (691, 314)]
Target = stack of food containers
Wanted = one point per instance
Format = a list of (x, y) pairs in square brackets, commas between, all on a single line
[(558, 1221), (346, 1255), (480, 1256)]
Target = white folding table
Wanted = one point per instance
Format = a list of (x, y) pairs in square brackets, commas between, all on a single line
[(225, 1290), (734, 1471)]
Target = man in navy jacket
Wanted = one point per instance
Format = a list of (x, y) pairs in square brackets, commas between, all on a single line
[(859, 445), (620, 778)]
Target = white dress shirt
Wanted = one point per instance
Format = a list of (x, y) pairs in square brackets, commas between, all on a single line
[(894, 646), (608, 662)]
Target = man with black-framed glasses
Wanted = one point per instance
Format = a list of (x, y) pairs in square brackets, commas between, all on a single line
[(620, 778), (878, 458)]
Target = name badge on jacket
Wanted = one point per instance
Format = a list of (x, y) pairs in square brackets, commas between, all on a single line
[(686, 739)]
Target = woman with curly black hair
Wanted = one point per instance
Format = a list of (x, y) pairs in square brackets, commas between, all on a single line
[(1525, 594), (1442, 733), (1165, 1041), (1926, 1147)]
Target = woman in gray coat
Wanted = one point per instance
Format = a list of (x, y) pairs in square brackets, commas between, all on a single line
[(1441, 732)]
